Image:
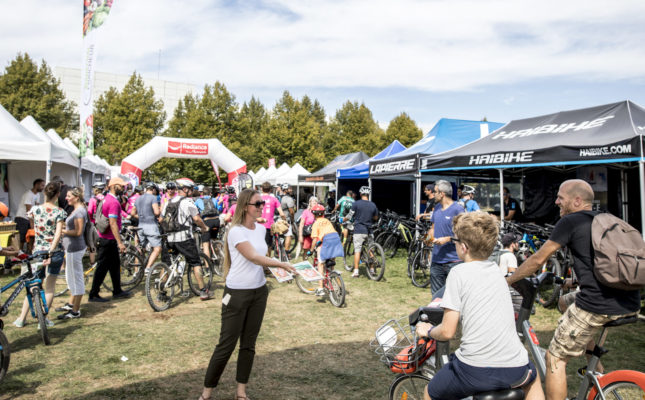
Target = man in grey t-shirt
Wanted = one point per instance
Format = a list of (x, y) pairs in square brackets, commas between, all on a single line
[(146, 208), (288, 205)]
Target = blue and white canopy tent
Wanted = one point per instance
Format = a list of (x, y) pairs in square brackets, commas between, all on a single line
[(402, 169)]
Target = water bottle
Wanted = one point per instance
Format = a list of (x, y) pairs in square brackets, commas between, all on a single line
[(182, 265)]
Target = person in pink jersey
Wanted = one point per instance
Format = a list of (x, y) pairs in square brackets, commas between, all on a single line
[(99, 188), (271, 204)]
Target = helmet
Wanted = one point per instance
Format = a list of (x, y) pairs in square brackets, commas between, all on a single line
[(99, 185), (230, 189), (285, 186), (171, 186), (4, 210), (200, 188), (318, 209), (138, 189), (185, 183), (365, 190), (151, 185), (468, 190)]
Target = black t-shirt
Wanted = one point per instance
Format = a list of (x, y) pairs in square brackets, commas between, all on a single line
[(513, 205), (364, 212), (62, 200), (574, 232)]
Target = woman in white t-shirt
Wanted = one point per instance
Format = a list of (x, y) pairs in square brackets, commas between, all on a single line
[(245, 294)]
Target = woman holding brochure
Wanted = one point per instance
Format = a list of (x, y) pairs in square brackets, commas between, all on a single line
[(245, 295)]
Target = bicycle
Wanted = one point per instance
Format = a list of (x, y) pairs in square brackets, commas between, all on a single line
[(372, 255), (592, 387), (402, 233), (419, 266), (35, 294), (333, 283), (164, 281), (5, 352)]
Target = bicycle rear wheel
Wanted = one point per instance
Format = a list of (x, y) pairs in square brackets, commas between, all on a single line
[(5, 353), (159, 290), (375, 261), (131, 270), (622, 391), (336, 289), (391, 245), (348, 258), (217, 256), (37, 302), (420, 268), (409, 387), (205, 272)]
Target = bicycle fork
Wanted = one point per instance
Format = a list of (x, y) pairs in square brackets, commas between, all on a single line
[(41, 293)]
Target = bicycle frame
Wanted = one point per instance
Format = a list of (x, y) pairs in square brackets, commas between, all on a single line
[(25, 280)]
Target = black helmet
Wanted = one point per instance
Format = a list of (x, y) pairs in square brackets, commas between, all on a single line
[(230, 189), (171, 186), (151, 185)]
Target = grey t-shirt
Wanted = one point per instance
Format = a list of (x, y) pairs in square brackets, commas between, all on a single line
[(75, 243), (286, 203), (479, 292), (144, 209)]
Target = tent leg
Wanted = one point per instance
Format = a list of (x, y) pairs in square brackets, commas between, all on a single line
[(623, 194), (417, 197), (297, 195), (641, 174), (522, 193), (369, 183), (501, 197), (336, 197), (48, 171)]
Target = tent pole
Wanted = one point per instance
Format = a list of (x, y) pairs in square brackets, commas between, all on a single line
[(623, 194), (297, 195), (336, 197), (417, 200), (641, 173), (522, 193), (501, 197), (369, 184)]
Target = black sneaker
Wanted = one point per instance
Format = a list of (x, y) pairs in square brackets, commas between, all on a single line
[(124, 294), (97, 299), (65, 308), (70, 315)]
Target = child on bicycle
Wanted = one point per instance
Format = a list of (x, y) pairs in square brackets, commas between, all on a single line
[(491, 355), (323, 234)]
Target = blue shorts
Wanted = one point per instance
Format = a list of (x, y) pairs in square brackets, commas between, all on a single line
[(457, 380), (55, 264)]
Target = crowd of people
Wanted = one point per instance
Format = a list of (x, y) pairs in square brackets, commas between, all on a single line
[(475, 288)]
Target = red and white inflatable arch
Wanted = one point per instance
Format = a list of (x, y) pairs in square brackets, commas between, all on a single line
[(134, 164)]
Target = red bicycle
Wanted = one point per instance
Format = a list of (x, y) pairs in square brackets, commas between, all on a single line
[(333, 283)]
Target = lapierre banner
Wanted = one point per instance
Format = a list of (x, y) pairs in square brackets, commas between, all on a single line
[(95, 12), (607, 133), (388, 167)]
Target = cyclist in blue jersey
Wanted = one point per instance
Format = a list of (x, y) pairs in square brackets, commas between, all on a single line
[(467, 199)]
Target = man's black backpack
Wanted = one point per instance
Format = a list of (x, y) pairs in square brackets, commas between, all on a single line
[(170, 222), (209, 208)]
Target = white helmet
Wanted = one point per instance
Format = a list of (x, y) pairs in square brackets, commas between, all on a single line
[(185, 183), (365, 190), (285, 186), (468, 190)]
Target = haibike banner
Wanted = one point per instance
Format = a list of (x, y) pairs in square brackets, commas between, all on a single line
[(387, 167), (604, 134)]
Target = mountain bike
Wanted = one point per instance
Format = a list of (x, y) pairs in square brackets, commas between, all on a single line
[(419, 266), (5, 352), (403, 234), (333, 283), (620, 384), (372, 255), (165, 281), (35, 294)]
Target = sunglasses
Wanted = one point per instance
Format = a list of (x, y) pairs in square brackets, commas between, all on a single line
[(455, 239), (258, 204)]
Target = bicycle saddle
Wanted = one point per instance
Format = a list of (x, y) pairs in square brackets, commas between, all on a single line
[(330, 263), (622, 321), (508, 394)]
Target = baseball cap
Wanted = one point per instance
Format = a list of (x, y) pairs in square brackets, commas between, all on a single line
[(116, 181), (430, 186), (509, 238)]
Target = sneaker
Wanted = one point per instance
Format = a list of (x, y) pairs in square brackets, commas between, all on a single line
[(70, 315), (147, 271), (97, 299), (124, 294), (320, 292), (65, 308), (205, 294), (355, 274), (48, 323), (162, 297), (19, 323)]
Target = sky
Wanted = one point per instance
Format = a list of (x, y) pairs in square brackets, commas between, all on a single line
[(464, 59)]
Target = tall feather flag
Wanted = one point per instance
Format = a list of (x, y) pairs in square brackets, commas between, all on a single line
[(95, 13)]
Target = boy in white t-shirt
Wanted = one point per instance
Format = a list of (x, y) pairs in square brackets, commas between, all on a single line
[(507, 260), (491, 355)]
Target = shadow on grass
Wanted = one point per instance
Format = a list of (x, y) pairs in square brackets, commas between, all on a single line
[(331, 371), (12, 386)]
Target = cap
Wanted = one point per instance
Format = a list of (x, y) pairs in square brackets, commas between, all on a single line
[(430, 186), (509, 238), (116, 181)]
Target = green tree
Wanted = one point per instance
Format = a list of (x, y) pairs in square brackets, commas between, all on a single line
[(353, 129), (126, 120), (404, 129), (253, 126), (26, 89)]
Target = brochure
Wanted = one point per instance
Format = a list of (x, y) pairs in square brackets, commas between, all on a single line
[(307, 271), (281, 275)]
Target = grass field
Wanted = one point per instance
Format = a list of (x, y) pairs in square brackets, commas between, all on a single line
[(307, 348)]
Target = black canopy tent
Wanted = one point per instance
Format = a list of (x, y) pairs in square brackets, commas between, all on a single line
[(607, 134)]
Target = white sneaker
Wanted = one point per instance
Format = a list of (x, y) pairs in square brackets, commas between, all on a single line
[(19, 323), (355, 274), (320, 292)]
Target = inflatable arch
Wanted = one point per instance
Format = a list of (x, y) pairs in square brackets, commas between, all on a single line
[(134, 164)]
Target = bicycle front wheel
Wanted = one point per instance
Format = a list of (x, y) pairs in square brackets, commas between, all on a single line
[(420, 268), (217, 258), (304, 285), (37, 302), (622, 391), (159, 289), (5, 352), (391, 245), (336, 289), (375, 262), (409, 387), (205, 272)]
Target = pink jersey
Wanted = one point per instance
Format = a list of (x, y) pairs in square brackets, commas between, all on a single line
[(232, 209), (92, 204), (270, 205), (131, 201)]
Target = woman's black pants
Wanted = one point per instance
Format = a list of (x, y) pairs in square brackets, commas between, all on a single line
[(241, 319)]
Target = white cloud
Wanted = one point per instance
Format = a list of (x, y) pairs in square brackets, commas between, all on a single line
[(445, 45)]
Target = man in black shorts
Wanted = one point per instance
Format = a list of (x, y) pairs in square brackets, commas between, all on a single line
[(595, 304)]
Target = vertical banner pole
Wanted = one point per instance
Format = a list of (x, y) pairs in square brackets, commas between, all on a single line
[(641, 174), (369, 184), (501, 197)]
